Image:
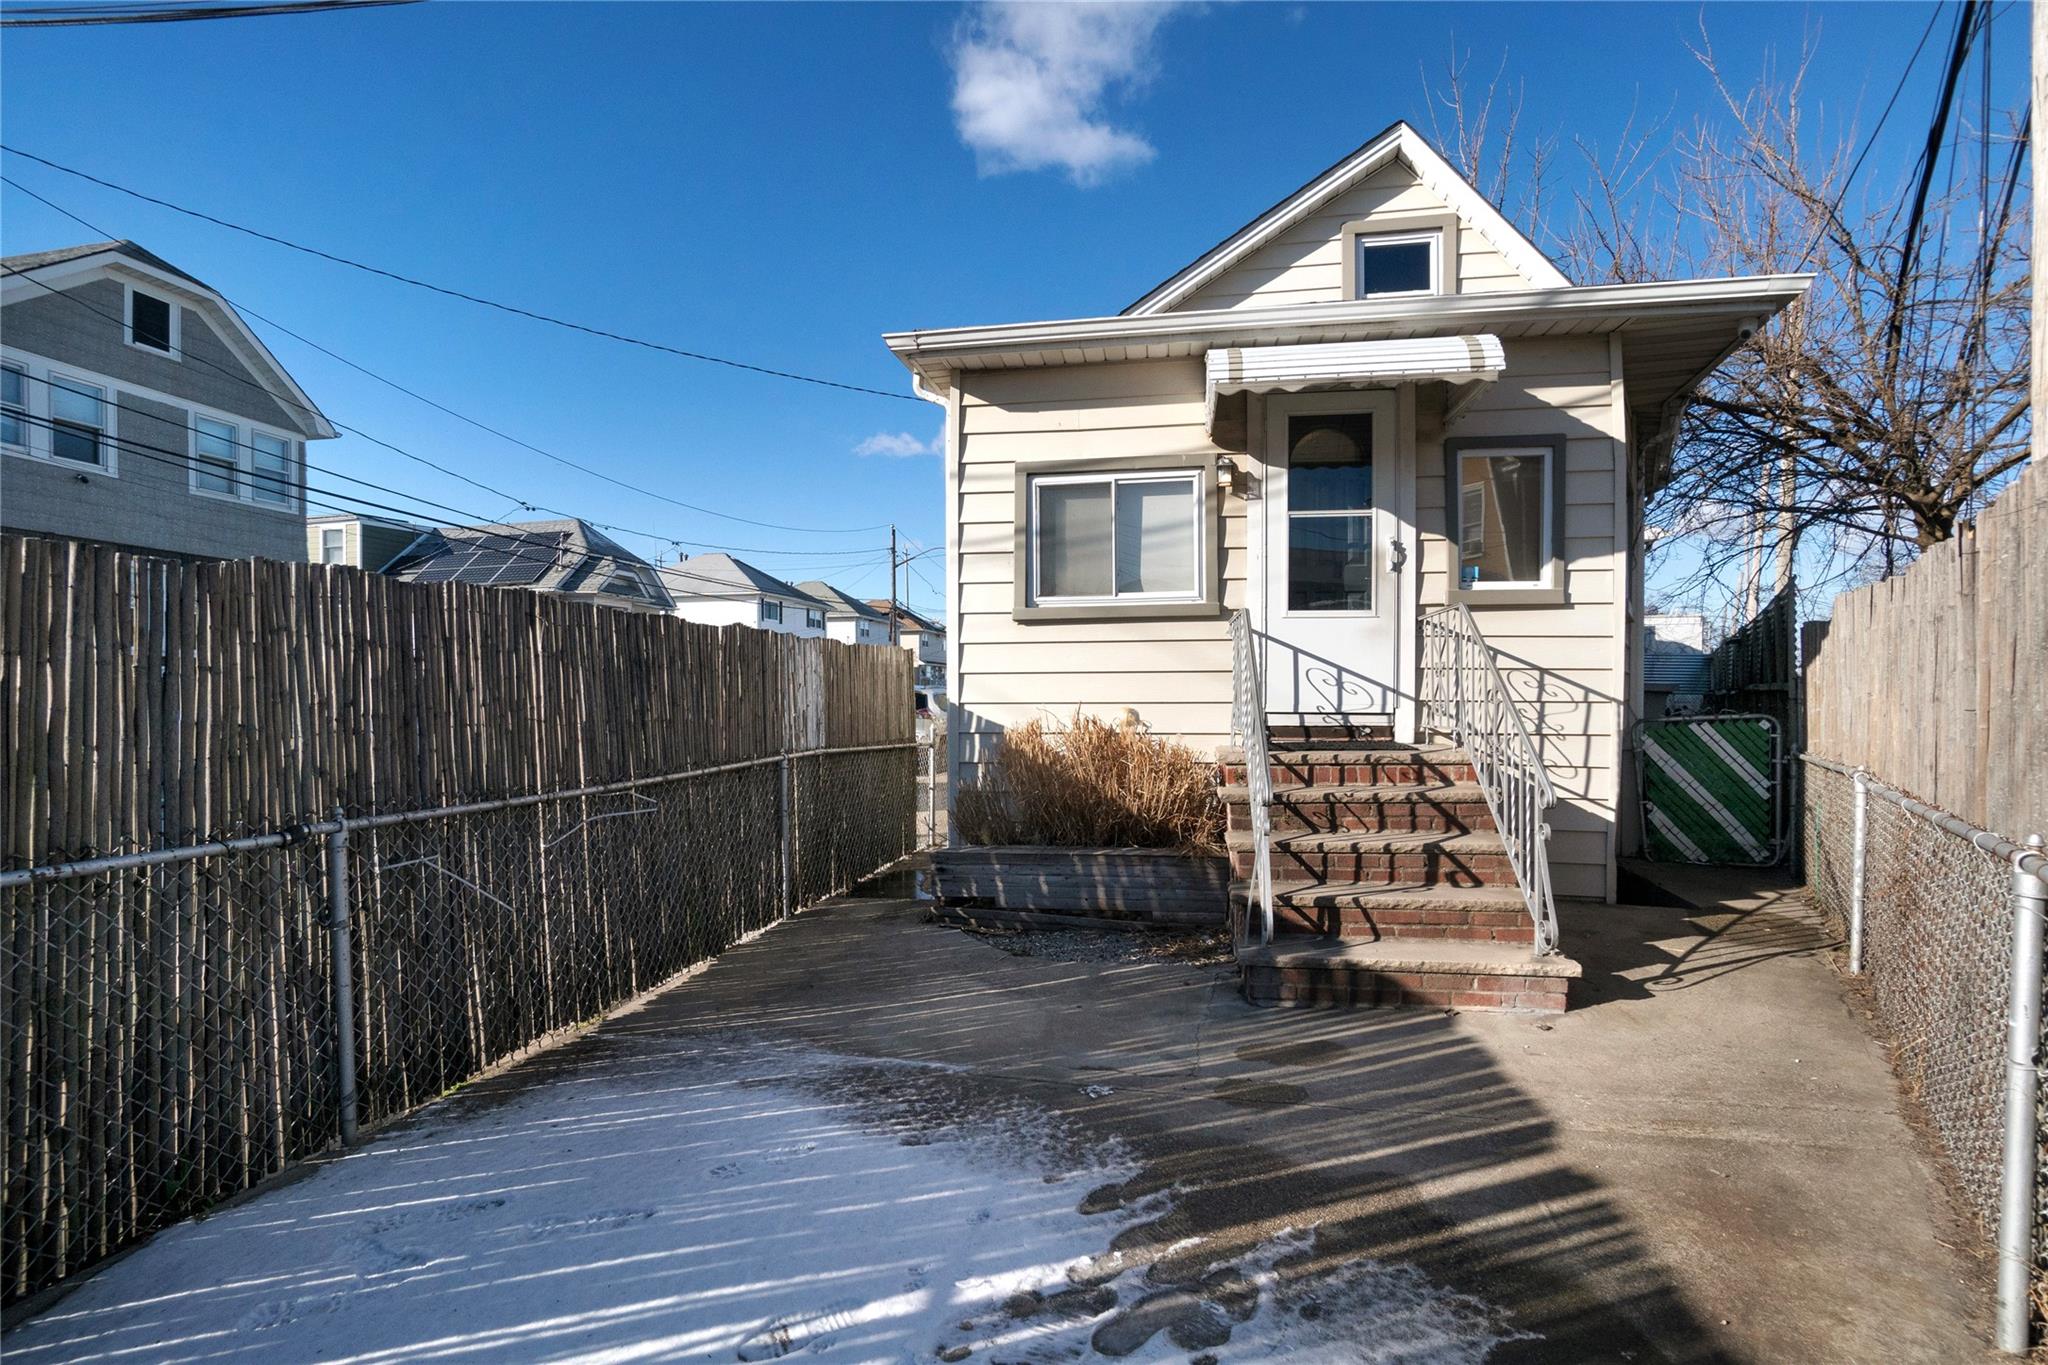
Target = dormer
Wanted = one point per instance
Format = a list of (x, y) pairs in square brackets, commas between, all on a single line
[(1391, 221)]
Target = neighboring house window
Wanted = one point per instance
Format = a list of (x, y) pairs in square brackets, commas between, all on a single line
[(772, 611), (333, 545), (1392, 264), (1509, 508), (214, 456), (271, 468), (1472, 521), (1116, 537), (152, 322), (814, 620), (78, 421), (14, 407)]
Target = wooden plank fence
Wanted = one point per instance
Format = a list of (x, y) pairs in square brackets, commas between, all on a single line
[(156, 703), (170, 1031), (1937, 679)]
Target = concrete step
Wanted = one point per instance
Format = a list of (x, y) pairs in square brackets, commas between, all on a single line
[(1424, 859), (1345, 973), (1438, 807), (1354, 765), (1367, 911)]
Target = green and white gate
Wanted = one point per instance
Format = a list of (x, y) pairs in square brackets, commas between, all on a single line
[(1712, 789)]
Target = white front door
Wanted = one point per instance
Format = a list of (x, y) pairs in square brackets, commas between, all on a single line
[(1335, 547)]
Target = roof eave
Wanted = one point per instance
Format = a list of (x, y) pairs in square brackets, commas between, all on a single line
[(932, 352)]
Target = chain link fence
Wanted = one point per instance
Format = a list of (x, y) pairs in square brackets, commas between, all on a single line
[(931, 785), (173, 1032), (1929, 917)]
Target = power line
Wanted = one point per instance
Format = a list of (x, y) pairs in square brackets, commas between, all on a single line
[(61, 16), (513, 308), (442, 407), (1966, 28), (656, 536)]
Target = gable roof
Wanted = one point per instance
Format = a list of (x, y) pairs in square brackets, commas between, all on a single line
[(909, 617), (838, 603), (720, 575), (563, 555), (1397, 142), (44, 272)]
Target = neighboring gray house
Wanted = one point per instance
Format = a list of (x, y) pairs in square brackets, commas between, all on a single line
[(848, 619), (719, 590), (569, 557), (359, 542), (923, 637), (138, 409)]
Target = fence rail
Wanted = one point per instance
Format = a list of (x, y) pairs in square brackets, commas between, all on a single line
[(1945, 923)]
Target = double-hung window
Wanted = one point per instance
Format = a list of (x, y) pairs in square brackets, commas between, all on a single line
[(1510, 494), (215, 457), (814, 620), (333, 545), (78, 421), (270, 466), (14, 422), (771, 613)]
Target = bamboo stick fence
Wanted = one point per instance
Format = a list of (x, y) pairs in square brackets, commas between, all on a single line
[(172, 1029)]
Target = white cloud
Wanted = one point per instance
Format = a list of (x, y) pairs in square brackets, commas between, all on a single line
[(897, 445), (1030, 81)]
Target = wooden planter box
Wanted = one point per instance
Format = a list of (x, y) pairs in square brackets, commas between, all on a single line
[(1150, 885)]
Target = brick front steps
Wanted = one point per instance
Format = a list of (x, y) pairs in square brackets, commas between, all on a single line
[(1371, 910), (1427, 859), (1390, 884), (1344, 973)]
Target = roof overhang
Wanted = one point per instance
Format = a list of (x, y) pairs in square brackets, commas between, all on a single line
[(1465, 362), (247, 346)]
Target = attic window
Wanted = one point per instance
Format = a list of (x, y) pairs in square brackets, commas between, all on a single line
[(1395, 265), (152, 323)]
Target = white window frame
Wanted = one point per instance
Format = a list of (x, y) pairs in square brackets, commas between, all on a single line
[(813, 619), (340, 544), (1198, 518), (24, 410), (47, 421), (245, 462), (1432, 237), (1507, 449), (128, 293), (258, 480)]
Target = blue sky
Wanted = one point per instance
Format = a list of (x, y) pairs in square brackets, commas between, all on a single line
[(779, 184)]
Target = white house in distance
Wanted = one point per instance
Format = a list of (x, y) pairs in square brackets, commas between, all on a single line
[(1285, 439), (848, 619), (718, 590)]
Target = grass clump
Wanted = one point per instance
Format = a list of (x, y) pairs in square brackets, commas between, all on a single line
[(1093, 784)]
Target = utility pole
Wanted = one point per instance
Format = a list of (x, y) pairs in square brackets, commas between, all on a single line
[(892, 585)]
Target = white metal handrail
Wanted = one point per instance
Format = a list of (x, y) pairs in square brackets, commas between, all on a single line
[(1464, 698), (1248, 727)]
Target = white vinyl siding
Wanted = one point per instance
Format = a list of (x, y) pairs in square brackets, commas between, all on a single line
[(1306, 263)]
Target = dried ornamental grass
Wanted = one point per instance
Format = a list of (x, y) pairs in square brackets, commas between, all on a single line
[(1094, 784)]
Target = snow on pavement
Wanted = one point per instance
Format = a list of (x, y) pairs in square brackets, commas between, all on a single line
[(740, 1203)]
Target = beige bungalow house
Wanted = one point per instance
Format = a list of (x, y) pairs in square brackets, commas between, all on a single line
[(1372, 428)]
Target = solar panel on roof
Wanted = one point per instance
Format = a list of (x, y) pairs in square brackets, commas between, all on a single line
[(523, 570)]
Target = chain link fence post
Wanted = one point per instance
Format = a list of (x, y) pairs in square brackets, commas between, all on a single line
[(344, 975), (785, 802), (2022, 1082), (1858, 867)]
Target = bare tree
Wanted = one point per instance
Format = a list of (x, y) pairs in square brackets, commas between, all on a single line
[(1871, 418)]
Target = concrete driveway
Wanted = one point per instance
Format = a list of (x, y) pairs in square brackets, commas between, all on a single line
[(865, 1137)]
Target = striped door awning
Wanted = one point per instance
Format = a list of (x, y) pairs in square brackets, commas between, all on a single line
[(1710, 789), (1462, 360)]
